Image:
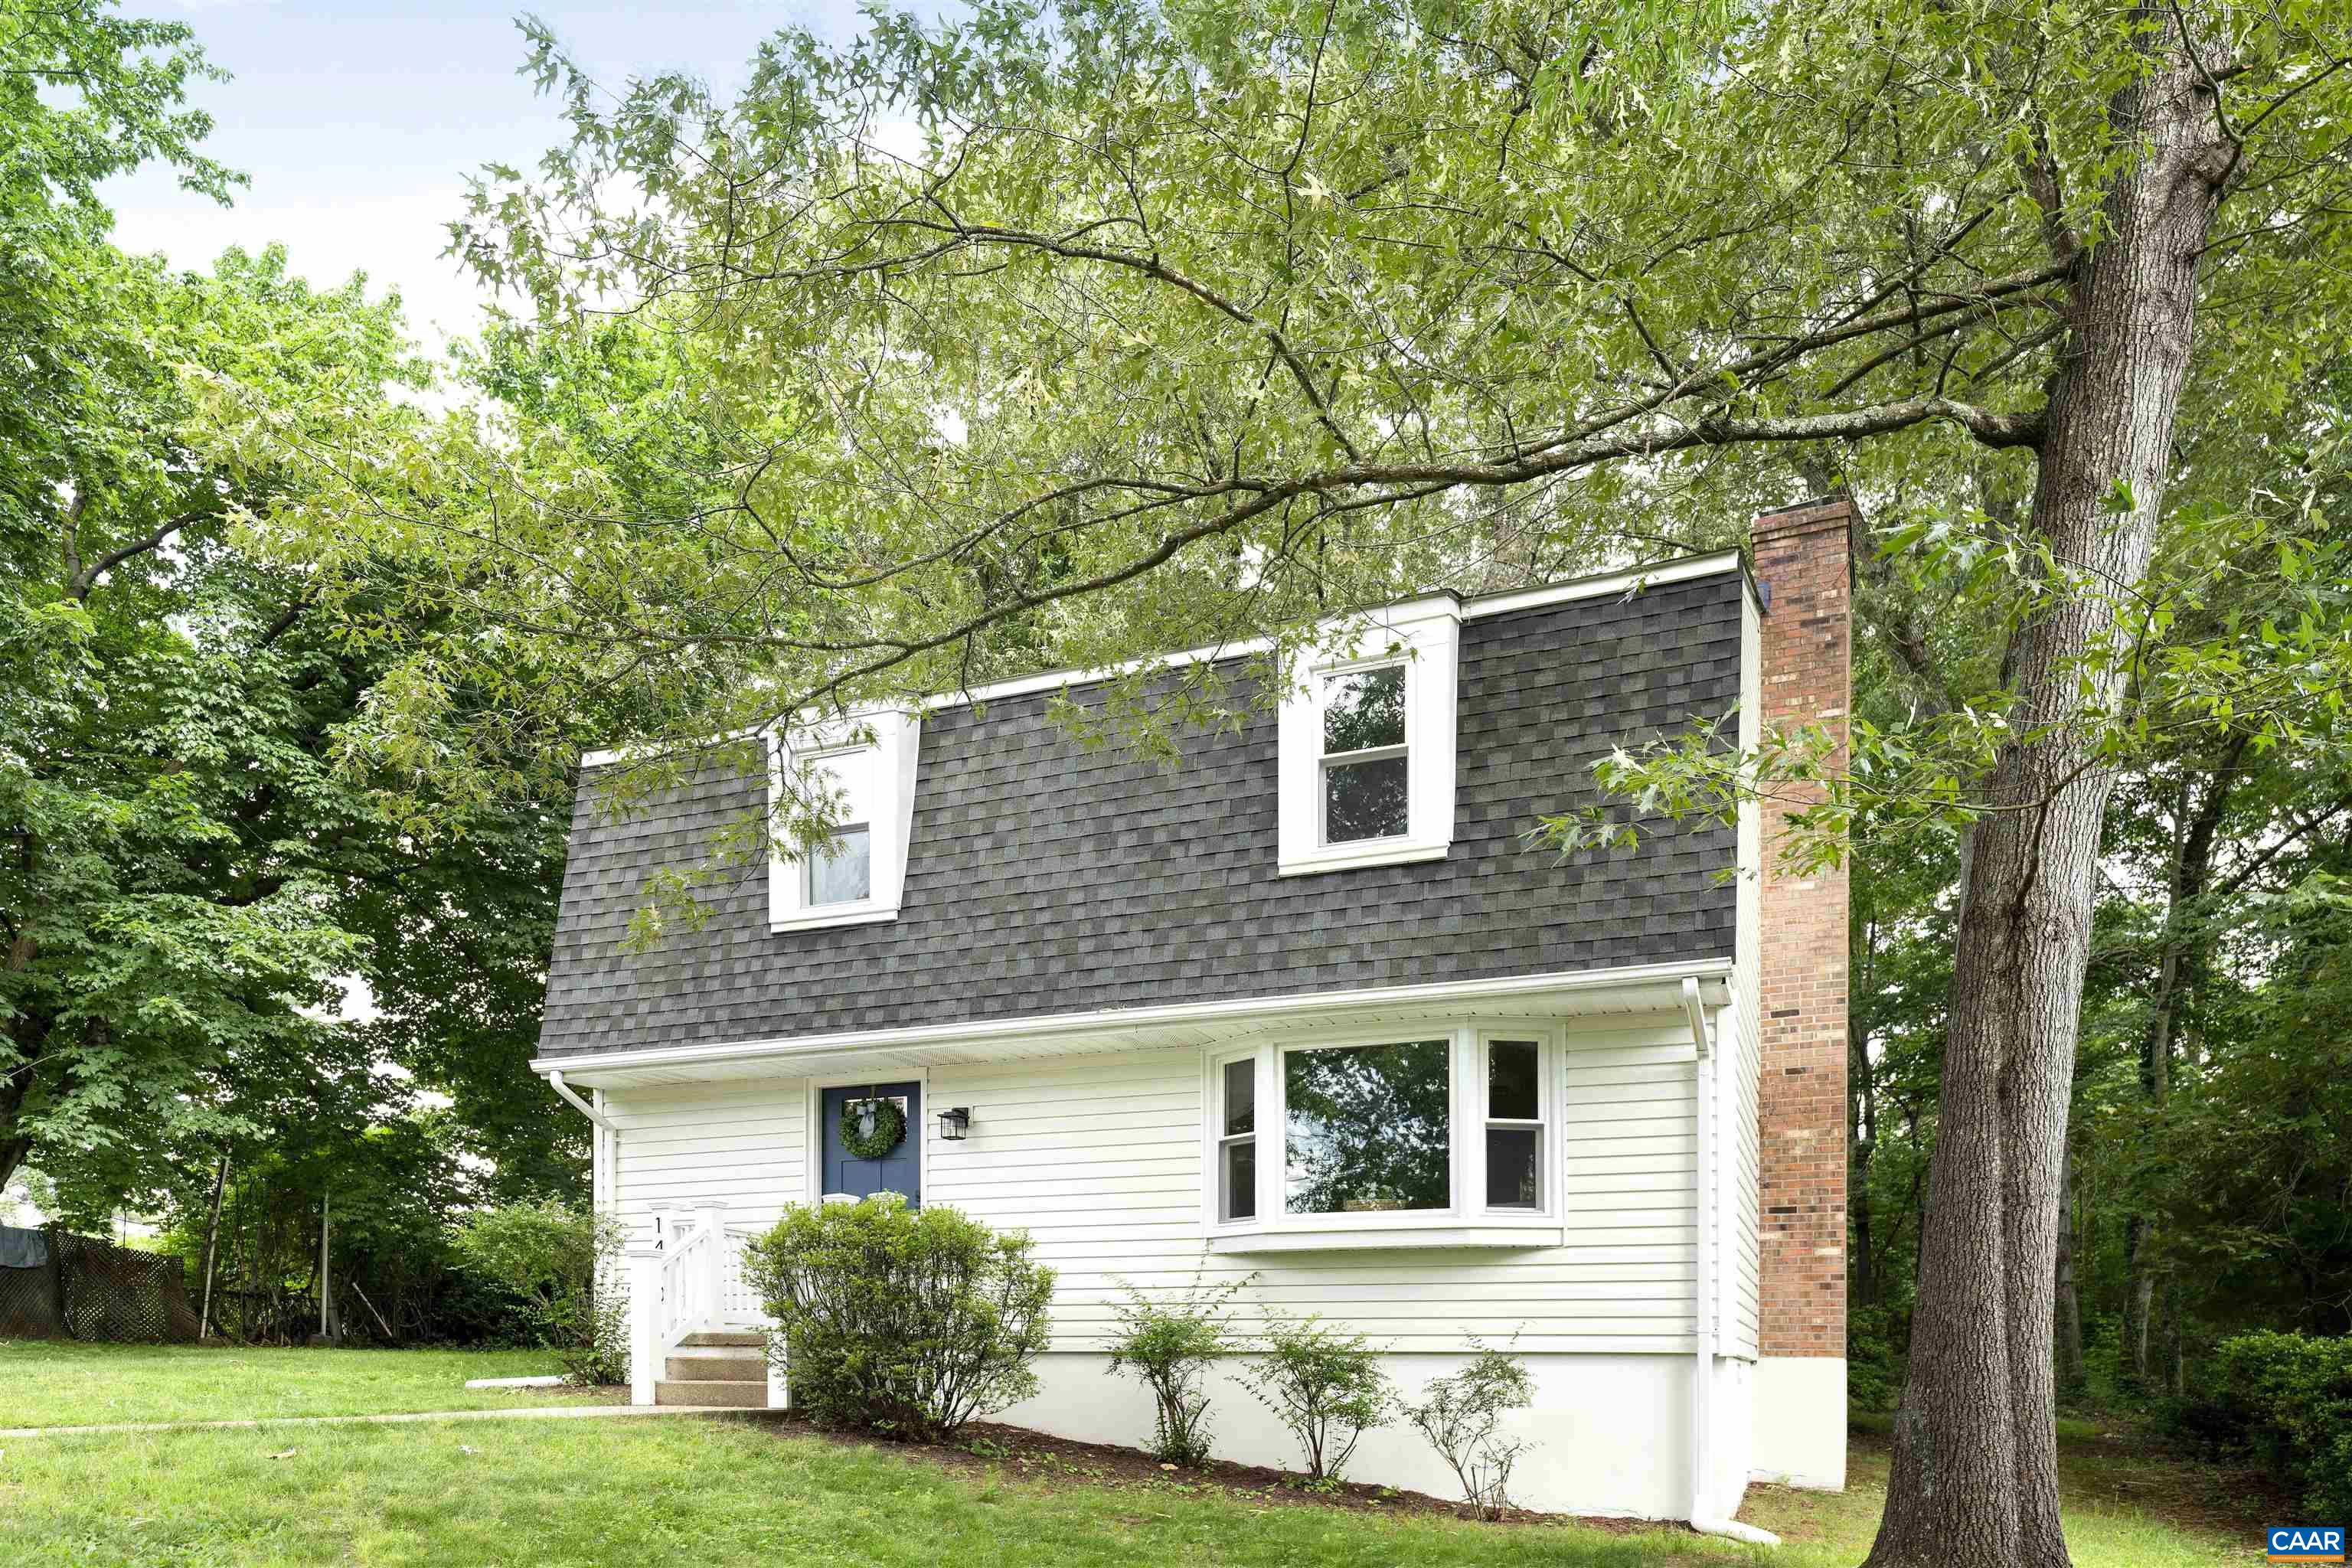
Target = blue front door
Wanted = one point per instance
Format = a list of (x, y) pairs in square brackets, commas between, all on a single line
[(900, 1171)]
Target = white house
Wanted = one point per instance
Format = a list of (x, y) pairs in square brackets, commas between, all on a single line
[(1304, 1006)]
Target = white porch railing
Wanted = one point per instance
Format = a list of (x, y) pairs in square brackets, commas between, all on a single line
[(690, 1279), (739, 1304)]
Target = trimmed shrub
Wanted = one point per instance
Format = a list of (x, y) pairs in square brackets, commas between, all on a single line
[(2286, 1400), (899, 1321), (552, 1256), (1462, 1417), (1171, 1343), (1325, 1387)]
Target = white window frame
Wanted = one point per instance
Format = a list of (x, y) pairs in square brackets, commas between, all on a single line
[(1218, 1138), (1467, 1221), (1425, 637), (1546, 1122), (886, 807)]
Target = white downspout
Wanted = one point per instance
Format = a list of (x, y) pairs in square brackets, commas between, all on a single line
[(571, 1097), (1702, 1455)]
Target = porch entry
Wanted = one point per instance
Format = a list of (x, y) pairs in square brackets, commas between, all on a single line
[(900, 1171)]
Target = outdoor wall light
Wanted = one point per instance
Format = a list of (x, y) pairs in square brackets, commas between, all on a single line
[(955, 1123)]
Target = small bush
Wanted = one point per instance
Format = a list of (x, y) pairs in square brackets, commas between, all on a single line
[(1462, 1417), (553, 1255), (899, 1321), (2286, 1399), (1325, 1387), (1172, 1343)]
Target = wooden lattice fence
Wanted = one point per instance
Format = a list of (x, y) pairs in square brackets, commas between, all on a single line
[(90, 1289)]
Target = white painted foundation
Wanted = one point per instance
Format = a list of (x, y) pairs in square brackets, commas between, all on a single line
[(1735, 1426), (1611, 1433), (1801, 1422)]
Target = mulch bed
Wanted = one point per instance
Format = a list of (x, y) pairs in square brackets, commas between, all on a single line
[(989, 1448)]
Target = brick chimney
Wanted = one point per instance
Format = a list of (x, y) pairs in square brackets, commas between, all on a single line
[(1804, 564)]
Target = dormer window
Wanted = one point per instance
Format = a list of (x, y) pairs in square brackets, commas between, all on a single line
[(865, 769), (843, 874), (1368, 744), (1366, 786)]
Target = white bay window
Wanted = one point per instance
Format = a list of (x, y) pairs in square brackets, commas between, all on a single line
[(1418, 1136)]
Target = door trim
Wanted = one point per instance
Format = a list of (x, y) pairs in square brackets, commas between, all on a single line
[(813, 1092)]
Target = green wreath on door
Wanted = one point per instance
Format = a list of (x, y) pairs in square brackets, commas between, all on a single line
[(871, 1128)]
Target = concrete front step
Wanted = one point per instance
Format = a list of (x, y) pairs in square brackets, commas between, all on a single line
[(723, 1337), (720, 1366), (708, 1393)]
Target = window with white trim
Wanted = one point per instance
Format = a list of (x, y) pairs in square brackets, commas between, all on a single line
[(1367, 1129), (1514, 1098), (1366, 785), (1237, 1139), (1368, 744), (1436, 1125), (840, 868), (854, 872)]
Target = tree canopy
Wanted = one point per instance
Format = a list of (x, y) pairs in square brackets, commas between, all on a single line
[(1071, 336), (190, 873)]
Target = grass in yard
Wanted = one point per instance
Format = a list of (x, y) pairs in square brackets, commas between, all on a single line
[(2122, 1508), (707, 1492), (62, 1382)]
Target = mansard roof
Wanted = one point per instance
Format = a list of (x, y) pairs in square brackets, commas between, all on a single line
[(1046, 879)]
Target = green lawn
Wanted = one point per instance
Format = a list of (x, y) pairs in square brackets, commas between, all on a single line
[(57, 1383), (705, 1492), (2121, 1509)]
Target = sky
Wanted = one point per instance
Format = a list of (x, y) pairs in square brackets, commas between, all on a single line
[(358, 123)]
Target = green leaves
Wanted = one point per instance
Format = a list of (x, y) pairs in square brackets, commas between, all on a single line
[(565, 1262), (899, 1319), (1327, 1388), (196, 873), (1172, 1342)]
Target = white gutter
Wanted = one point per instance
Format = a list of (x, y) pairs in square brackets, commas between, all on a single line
[(1532, 988), (571, 1097), (1702, 1457)]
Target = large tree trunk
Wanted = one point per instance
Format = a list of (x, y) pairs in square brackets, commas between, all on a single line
[(1974, 1477)]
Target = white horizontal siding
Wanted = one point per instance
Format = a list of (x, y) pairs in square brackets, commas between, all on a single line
[(743, 1144), (1099, 1160)]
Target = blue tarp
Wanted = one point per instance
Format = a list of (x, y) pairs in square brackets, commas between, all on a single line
[(22, 1248)]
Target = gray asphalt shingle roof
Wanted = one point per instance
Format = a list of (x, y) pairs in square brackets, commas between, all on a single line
[(1044, 879)]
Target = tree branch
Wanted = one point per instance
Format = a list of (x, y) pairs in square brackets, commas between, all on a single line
[(79, 585)]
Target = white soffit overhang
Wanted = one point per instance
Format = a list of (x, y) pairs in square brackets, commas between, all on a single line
[(1592, 994)]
